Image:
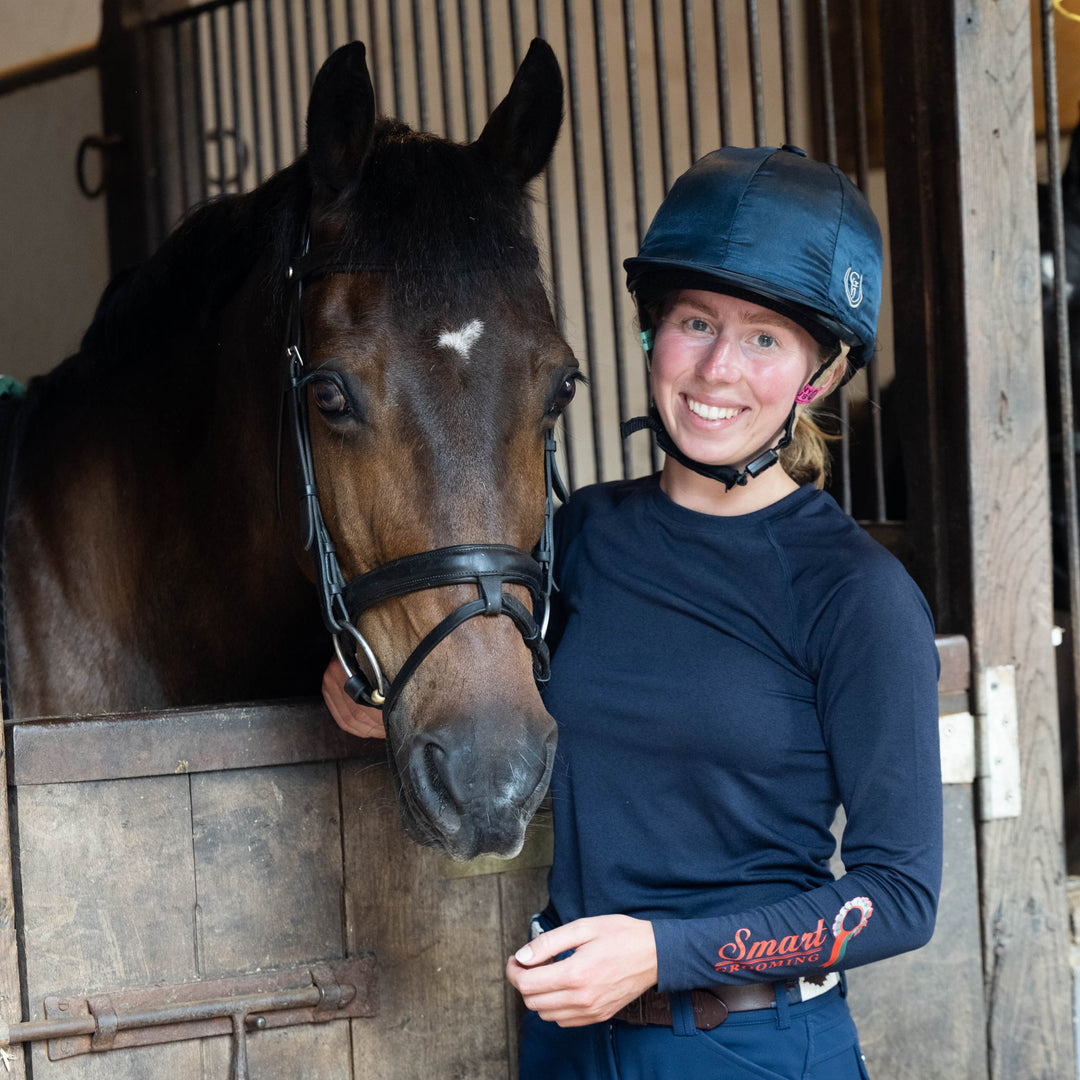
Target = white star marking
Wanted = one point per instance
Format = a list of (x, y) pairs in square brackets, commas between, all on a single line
[(462, 341)]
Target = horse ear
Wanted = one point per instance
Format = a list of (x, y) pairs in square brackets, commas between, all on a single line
[(521, 132), (340, 120)]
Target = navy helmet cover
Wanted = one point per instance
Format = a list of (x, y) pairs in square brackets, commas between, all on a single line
[(773, 226)]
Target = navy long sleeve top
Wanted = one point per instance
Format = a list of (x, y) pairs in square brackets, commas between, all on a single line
[(721, 686)]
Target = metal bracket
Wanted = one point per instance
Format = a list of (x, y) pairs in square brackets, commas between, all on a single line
[(999, 743), (145, 1016)]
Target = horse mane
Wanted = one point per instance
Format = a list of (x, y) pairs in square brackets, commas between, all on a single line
[(429, 238)]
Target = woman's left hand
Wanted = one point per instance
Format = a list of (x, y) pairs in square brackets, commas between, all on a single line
[(614, 961)]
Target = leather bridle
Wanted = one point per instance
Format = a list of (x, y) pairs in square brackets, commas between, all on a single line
[(490, 567)]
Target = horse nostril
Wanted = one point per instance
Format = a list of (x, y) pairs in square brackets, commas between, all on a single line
[(434, 759)]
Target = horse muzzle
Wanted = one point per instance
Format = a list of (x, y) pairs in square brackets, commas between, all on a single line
[(469, 793)]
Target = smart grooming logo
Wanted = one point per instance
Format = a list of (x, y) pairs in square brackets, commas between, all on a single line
[(795, 950), (853, 287)]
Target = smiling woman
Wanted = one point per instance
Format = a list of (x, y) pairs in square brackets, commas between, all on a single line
[(723, 376), (733, 659)]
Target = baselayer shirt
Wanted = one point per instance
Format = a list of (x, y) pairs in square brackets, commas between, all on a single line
[(721, 685)]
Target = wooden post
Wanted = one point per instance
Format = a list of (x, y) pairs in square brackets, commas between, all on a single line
[(11, 1011), (961, 173)]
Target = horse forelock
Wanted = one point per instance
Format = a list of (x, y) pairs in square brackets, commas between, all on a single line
[(437, 216)]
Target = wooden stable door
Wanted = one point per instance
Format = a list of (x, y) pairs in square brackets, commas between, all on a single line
[(234, 854)]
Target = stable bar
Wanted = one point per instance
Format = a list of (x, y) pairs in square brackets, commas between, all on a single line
[(151, 1015)]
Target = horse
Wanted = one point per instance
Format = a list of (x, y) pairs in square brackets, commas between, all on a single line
[(381, 298)]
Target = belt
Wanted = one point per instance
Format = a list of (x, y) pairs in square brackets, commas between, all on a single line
[(711, 1007)]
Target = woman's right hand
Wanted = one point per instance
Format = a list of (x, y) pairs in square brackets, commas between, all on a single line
[(350, 716)]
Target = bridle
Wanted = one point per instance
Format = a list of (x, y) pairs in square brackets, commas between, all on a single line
[(490, 567)]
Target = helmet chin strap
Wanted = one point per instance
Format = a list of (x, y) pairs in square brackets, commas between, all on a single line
[(727, 475)]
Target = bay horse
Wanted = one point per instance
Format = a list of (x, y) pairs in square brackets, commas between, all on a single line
[(387, 283)]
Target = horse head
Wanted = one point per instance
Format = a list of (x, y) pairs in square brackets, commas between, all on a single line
[(432, 373)]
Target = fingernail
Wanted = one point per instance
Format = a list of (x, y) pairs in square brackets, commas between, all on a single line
[(524, 955)]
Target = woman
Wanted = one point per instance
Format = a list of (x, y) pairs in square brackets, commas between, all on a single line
[(735, 659)]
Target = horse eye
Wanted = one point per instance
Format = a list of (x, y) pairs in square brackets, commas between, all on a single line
[(565, 394), (329, 398)]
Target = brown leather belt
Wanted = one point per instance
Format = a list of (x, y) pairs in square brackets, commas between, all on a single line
[(711, 1008)]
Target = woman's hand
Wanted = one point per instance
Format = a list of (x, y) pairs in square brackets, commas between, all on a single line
[(350, 716), (614, 961)]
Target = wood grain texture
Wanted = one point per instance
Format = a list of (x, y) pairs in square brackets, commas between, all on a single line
[(11, 1009), (108, 902), (1022, 861), (439, 945), (267, 846)]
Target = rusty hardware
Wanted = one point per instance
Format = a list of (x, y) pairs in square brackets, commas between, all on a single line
[(145, 1016)]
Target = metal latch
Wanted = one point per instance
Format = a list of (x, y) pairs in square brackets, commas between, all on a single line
[(145, 1016)]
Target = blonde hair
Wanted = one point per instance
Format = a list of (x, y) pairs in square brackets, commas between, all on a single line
[(806, 459)]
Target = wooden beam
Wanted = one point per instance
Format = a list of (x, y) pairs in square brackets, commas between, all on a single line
[(962, 188)]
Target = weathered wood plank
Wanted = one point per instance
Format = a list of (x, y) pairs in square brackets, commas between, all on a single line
[(10, 991), (1022, 858), (961, 190), (108, 902), (268, 868), (55, 751), (522, 893), (438, 941)]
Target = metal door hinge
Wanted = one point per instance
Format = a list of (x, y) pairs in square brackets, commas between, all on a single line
[(315, 993), (999, 743)]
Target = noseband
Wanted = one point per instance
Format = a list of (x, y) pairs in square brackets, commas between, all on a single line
[(490, 567)]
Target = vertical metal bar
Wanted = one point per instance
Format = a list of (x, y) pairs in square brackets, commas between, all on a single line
[(271, 75), (444, 68), (640, 219), (309, 52), (611, 220), (200, 111), (395, 58), (827, 92), (373, 49), (690, 58), (723, 85), (421, 73), (466, 70), (515, 30), (350, 21), (555, 247), (331, 34), (788, 72), (234, 86), (1069, 493), (256, 119), (178, 88), (753, 38), (831, 154), (662, 94), (294, 94), (489, 56), (582, 226), (862, 170), (215, 86), (156, 149)]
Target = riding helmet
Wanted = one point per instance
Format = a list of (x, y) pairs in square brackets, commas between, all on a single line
[(776, 227)]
